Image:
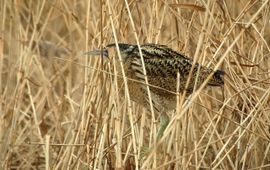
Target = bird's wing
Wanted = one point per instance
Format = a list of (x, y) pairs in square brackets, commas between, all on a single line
[(162, 61), (162, 66)]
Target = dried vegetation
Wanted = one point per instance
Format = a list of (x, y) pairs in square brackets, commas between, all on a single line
[(61, 109)]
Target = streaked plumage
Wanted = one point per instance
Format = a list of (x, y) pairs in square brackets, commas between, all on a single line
[(162, 65)]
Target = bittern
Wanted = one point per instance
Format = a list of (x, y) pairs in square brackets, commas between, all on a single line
[(162, 65)]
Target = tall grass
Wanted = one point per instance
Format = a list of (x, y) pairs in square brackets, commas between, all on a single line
[(61, 109)]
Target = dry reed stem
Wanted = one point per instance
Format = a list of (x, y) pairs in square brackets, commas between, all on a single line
[(64, 111)]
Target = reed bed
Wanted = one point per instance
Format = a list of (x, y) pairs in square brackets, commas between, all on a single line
[(61, 109)]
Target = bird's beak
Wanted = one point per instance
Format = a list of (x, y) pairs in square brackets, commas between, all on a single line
[(103, 52)]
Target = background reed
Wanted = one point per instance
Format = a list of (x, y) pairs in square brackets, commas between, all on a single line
[(61, 109)]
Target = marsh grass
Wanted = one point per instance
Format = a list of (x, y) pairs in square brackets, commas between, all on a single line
[(61, 109)]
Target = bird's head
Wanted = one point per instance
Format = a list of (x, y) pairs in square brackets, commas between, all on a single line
[(125, 50)]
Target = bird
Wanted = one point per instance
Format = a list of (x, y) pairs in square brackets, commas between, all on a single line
[(162, 66)]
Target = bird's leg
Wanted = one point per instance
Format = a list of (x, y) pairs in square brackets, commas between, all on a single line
[(164, 121)]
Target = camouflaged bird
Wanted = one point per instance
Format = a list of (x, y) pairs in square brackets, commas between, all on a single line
[(162, 65)]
